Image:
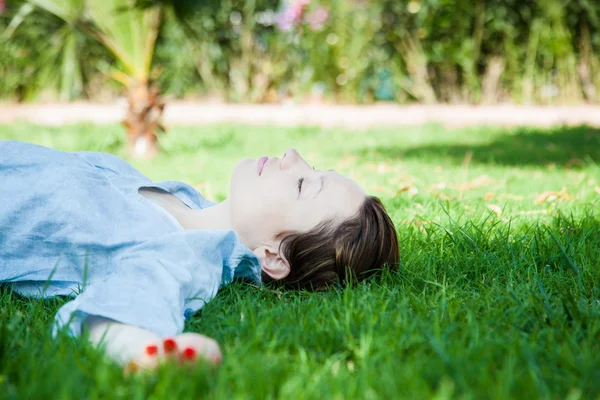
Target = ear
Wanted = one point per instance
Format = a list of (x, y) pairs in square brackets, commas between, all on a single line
[(272, 263)]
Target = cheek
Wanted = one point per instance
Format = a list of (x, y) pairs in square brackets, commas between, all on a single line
[(259, 218), (262, 205), (257, 205), (265, 207)]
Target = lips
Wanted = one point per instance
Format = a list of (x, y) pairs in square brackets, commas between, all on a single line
[(261, 163)]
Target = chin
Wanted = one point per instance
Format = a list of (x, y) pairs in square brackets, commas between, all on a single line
[(243, 173), (243, 169)]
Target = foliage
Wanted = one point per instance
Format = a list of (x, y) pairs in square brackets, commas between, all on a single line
[(497, 295), (45, 51), (486, 51), (126, 28)]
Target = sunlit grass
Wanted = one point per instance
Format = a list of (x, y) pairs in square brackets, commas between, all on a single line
[(497, 297)]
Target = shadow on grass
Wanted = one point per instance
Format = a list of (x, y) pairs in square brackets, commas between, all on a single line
[(569, 147)]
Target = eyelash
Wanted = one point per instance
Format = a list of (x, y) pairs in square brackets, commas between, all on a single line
[(300, 184)]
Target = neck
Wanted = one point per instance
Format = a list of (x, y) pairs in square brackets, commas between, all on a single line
[(215, 217)]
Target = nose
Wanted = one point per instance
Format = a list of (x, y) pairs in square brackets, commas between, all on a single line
[(290, 157)]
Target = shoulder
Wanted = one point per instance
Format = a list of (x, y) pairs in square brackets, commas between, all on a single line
[(23, 152), (108, 162)]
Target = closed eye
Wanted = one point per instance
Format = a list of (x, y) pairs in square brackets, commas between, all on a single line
[(300, 184)]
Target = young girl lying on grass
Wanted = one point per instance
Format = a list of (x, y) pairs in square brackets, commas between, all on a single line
[(140, 257)]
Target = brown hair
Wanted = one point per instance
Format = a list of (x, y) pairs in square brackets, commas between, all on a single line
[(360, 247)]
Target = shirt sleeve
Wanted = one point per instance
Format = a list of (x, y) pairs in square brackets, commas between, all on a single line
[(148, 287)]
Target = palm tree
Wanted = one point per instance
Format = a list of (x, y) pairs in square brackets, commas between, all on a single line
[(130, 33), (129, 30), (61, 63)]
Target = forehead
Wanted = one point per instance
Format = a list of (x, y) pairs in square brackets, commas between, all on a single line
[(343, 183), (341, 196)]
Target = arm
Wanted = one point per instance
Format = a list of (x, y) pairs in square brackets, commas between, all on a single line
[(136, 310)]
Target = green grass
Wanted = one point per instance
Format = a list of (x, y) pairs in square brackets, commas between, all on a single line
[(498, 295)]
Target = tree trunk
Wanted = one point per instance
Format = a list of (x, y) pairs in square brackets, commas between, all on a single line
[(143, 119)]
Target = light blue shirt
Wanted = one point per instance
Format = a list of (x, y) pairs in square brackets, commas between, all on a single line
[(74, 224)]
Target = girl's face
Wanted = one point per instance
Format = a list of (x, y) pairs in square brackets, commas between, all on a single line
[(276, 195)]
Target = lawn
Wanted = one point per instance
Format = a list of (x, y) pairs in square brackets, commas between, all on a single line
[(498, 294)]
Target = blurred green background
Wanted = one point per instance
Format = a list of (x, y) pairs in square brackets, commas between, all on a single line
[(345, 51)]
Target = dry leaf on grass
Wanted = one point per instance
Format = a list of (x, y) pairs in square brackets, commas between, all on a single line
[(442, 196), (401, 179), (549, 196), (347, 161), (597, 190), (510, 197), (488, 196), (410, 189), (418, 223), (382, 189), (474, 183), (495, 209), (574, 162), (381, 167), (437, 191), (439, 186), (533, 212)]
